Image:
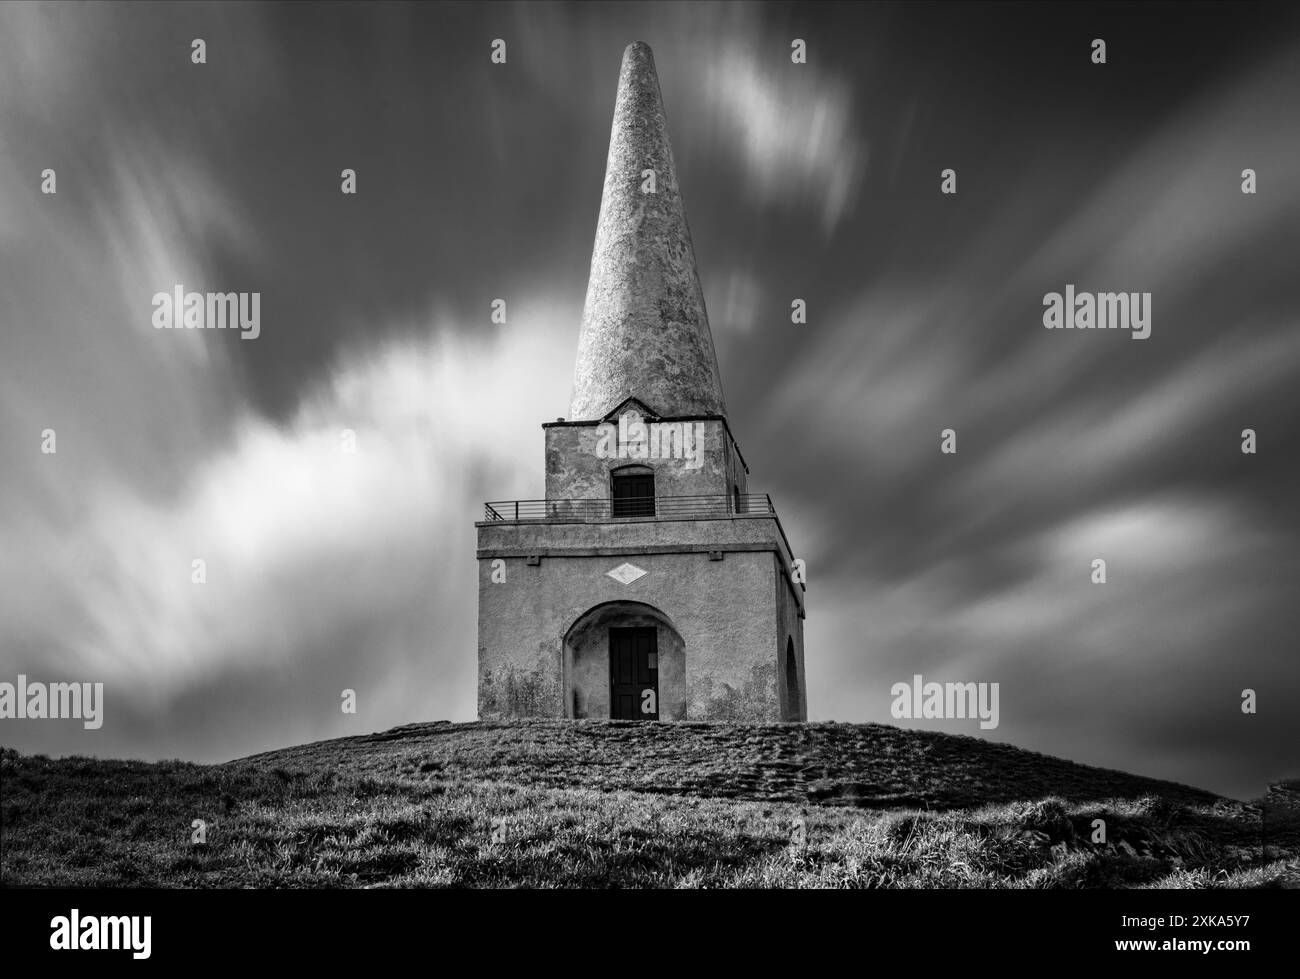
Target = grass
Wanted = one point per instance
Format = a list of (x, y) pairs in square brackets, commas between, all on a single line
[(613, 804)]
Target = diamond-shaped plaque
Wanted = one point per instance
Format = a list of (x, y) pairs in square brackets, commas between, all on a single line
[(626, 573)]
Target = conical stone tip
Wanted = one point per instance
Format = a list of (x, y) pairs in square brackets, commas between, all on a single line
[(645, 332)]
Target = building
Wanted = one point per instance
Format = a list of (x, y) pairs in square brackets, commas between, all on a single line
[(650, 583)]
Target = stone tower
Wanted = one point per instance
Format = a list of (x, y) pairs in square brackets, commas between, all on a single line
[(650, 583)]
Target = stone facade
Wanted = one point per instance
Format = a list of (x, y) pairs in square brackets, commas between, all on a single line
[(648, 553)]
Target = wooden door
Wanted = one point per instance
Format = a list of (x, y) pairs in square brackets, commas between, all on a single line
[(634, 674)]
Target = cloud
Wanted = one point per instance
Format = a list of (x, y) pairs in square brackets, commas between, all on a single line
[(1071, 447), (791, 127), (786, 134), (740, 303), (323, 569), (308, 547)]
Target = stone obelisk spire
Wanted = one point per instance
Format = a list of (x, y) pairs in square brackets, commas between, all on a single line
[(645, 333)]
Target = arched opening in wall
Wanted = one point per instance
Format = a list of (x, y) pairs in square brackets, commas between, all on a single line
[(792, 698), (625, 660), (632, 491)]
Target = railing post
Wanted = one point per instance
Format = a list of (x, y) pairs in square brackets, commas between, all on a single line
[(516, 511)]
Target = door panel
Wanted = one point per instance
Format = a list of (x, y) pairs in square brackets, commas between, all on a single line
[(634, 674)]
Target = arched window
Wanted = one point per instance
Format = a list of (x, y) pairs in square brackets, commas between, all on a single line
[(632, 491)]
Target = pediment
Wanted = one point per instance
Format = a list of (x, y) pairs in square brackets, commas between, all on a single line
[(631, 404)]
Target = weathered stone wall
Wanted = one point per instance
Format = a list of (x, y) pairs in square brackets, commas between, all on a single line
[(789, 598), (722, 610), (575, 472), (758, 532)]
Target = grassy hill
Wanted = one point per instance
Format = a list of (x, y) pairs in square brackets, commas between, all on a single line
[(607, 803)]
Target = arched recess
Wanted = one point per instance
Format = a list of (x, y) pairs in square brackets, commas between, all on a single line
[(793, 698), (586, 659)]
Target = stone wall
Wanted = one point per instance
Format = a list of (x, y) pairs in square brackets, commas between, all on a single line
[(722, 611), (575, 472), (789, 600)]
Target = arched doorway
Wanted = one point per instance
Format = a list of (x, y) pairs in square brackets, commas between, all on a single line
[(625, 660)]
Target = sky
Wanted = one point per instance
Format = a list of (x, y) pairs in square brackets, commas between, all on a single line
[(821, 181)]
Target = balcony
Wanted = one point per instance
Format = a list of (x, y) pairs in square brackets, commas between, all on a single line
[(648, 511), (715, 507), (635, 524)]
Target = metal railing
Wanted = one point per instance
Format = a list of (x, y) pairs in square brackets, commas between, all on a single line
[(719, 506), (714, 507)]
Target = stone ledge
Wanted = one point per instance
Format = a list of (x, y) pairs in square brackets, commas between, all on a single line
[(587, 550)]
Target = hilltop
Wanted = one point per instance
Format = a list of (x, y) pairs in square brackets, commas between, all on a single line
[(609, 803), (868, 765)]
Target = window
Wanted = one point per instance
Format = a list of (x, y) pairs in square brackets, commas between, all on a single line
[(632, 492)]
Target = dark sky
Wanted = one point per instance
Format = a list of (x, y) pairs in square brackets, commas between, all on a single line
[(819, 181)]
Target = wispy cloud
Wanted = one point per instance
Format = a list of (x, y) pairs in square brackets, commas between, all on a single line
[(318, 561), (792, 127)]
